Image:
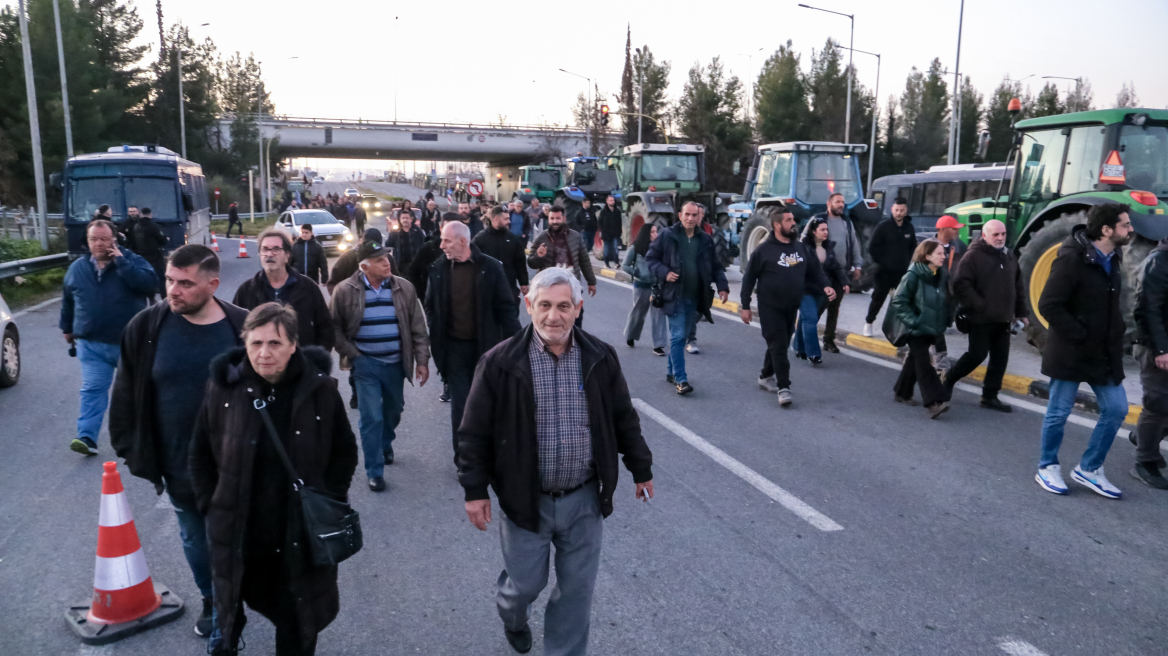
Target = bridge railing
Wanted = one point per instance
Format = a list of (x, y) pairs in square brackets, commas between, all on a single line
[(328, 122)]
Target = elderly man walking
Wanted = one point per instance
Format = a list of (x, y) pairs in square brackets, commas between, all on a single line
[(988, 285), (469, 310), (101, 294), (381, 336), (548, 415)]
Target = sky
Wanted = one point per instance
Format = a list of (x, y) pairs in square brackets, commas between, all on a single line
[(474, 62)]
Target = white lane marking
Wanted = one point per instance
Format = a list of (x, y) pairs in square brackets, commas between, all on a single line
[(95, 650), (781, 496), (17, 315), (1019, 648), (1123, 433)]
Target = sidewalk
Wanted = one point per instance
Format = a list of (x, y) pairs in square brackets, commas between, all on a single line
[(1024, 373)]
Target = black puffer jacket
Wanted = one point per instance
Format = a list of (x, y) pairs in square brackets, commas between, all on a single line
[(1151, 311), (509, 250), (988, 284), (1081, 303)]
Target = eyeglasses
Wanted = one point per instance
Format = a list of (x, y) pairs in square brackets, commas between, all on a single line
[(271, 251)]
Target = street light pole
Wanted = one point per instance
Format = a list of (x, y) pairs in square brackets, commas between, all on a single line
[(588, 110), (64, 85), (34, 127), (260, 132), (872, 146), (851, 44), (182, 112), (955, 116)]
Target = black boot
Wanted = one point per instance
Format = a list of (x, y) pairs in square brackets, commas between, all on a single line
[(519, 640)]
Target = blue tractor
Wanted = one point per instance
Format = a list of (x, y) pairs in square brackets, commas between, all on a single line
[(585, 178)]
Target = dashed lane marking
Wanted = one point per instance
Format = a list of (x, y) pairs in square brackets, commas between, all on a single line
[(778, 494), (1019, 648)]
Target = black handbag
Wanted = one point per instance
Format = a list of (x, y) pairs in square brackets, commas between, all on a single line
[(655, 297), (332, 526)]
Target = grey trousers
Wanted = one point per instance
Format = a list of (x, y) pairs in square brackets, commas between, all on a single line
[(1153, 422), (575, 526), (636, 322)]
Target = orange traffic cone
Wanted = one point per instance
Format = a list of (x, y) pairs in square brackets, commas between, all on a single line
[(125, 598), (242, 248), (214, 242)]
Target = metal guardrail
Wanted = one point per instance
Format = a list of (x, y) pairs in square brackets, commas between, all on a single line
[(33, 265)]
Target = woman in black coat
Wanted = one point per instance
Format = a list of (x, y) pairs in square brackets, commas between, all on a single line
[(814, 300), (254, 521)]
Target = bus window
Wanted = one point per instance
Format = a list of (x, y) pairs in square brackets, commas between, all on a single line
[(879, 198), (87, 194), (156, 193), (916, 199)]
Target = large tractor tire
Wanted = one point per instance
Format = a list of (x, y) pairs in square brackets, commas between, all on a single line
[(754, 233), (1035, 260), (723, 249)]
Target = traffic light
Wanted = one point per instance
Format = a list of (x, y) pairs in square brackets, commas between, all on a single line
[(604, 115), (498, 180)]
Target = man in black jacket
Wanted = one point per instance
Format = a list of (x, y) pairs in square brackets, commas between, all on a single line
[(548, 415), (891, 247), (359, 217), (498, 242), (469, 310), (406, 242), (683, 260), (430, 217), (988, 285), (277, 281), (609, 221), (150, 242), (784, 269), (1085, 344), (308, 256), (1151, 351), (233, 219), (166, 352)]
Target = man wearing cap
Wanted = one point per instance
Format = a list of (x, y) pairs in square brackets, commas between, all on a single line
[(381, 337), (344, 269), (988, 285), (893, 241)]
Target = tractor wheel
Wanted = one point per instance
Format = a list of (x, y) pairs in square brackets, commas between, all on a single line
[(723, 249), (1035, 260), (635, 219), (755, 232)]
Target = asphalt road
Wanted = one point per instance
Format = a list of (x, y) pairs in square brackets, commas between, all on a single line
[(846, 524)]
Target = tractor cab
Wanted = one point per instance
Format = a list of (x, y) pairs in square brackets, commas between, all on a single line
[(586, 178), (539, 181)]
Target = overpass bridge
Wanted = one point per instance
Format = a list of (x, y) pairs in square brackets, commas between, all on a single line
[(506, 145)]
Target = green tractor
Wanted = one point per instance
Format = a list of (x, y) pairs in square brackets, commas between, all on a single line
[(657, 179), (1062, 166), (539, 181)]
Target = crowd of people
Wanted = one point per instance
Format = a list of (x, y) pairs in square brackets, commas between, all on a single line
[(540, 414)]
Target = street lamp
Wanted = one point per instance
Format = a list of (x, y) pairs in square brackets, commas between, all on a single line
[(851, 43), (64, 86), (182, 114), (955, 117), (750, 65), (34, 127), (588, 111), (872, 147), (1078, 84)]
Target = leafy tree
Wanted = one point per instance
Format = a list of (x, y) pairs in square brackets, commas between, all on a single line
[(925, 108), (972, 112), (780, 98), (708, 113), (1127, 96), (1047, 103)]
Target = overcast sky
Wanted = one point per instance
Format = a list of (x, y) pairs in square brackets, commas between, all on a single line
[(461, 61)]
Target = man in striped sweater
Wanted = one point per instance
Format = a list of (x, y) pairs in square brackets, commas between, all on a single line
[(381, 335)]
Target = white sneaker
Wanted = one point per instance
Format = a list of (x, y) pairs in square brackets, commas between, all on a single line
[(692, 348), (769, 384), (1050, 478), (867, 330), (1096, 482), (785, 397)]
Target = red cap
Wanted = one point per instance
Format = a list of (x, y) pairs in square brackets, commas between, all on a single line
[(948, 221)]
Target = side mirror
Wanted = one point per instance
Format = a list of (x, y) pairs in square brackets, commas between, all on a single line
[(188, 201), (55, 180), (983, 144)]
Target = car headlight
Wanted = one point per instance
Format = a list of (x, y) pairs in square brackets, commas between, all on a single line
[(342, 246), (348, 236)]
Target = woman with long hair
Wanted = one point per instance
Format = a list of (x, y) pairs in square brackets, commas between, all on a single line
[(921, 311), (814, 300), (643, 281)]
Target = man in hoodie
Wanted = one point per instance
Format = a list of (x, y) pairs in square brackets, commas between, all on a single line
[(988, 285), (498, 242), (784, 269), (891, 247)]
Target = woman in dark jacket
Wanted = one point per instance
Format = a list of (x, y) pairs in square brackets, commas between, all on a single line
[(643, 280), (814, 300), (254, 521), (921, 311)]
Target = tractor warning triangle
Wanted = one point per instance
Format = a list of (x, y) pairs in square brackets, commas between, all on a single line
[(1112, 171)]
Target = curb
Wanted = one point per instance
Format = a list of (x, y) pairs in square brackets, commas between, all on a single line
[(616, 274), (1020, 385)]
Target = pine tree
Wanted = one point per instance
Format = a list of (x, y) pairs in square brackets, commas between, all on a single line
[(925, 107), (1127, 96), (972, 112), (780, 98), (1080, 98), (998, 119), (650, 84), (1047, 103), (827, 87), (627, 97), (708, 113)]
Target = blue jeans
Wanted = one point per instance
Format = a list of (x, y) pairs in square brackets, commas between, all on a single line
[(98, 363), (192, 526), (807, 335), (381, 394), (611, 250), (589, 239), (1112, 411), (684, 317)]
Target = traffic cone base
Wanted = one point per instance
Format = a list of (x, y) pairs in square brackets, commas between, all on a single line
[(77, 617), (242, 248), (124, 595)]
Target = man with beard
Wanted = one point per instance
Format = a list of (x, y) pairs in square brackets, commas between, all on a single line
[(471, 221), (166, 352), (847, 252), (783, 268), (498, 242), (561, 246)]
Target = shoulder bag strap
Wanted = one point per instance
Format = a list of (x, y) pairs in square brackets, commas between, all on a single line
[(262, 406)]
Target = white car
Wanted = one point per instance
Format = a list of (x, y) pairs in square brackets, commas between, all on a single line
[(331, 233), (352, 192), (9, 347), (317, 180)]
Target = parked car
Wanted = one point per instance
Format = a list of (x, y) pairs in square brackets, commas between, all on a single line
[(331, 233), (352, 192), (9, 347)]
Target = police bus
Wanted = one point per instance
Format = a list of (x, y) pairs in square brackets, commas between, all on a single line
[(148, 176), (930, 192)]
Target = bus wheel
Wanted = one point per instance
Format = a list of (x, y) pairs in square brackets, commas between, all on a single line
[(755, 232), (1035, 260)]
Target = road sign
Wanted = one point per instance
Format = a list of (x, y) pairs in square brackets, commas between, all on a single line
[(216, 192), (475, 188)]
